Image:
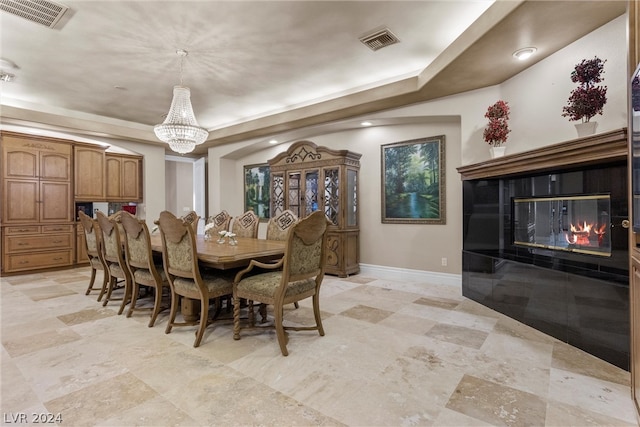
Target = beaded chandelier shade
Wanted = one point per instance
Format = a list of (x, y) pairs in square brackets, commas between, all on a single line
[(180, 129)]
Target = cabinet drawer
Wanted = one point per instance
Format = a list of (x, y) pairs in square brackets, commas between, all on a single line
[(38, 242), (64, 228), (19, 262), (25, 229)]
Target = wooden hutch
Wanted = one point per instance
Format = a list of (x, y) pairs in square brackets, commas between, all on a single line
[(307, 178)]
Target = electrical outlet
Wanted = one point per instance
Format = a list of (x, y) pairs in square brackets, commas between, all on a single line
[(444, 262)]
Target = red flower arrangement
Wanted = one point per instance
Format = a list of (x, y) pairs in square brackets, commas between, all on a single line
[(495, 134), (587, 99)]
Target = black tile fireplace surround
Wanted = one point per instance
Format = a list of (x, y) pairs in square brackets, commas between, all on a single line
[(579, 298)]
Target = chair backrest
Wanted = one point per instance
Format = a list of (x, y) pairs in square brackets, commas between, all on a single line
[(179, 250), (279, 225), (305, 252), (192, 218), (91, 234), (111, 240), (220, 222), (137, 244), (246, 225)]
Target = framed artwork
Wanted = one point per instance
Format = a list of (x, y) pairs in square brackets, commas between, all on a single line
[(413, 181), (256, 189)]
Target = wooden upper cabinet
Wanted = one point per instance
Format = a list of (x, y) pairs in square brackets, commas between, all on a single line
[(123, 177), (131, 169), (36, 181), (114, 176), (26, 157), (89, 173)]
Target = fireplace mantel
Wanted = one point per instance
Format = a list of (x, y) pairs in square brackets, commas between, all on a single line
[(594, 149)]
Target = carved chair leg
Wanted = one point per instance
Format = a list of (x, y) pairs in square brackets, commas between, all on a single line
[(204, 317), (280, 332), (250, 314), (236, 317), (262, 309), (175, 302), (105, 284), (126, 297), (91, 281), (134, 298), (156, 305), (316, 314), (111, 285)]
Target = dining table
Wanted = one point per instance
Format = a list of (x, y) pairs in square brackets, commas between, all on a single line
[(225, 256)]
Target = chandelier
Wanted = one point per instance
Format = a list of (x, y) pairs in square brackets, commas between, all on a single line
[(180, 129)]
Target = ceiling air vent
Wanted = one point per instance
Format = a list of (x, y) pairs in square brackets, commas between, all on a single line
[(379, 39), (42, 12)]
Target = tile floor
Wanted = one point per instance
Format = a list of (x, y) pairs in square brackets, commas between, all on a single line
[(394, 354)]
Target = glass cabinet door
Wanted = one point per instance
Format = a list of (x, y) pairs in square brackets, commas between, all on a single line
[(332, 195), (352, 198), (310, 192), (293, 191), (277, 193)]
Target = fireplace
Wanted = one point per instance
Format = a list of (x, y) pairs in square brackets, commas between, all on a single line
[(571, 223), (545, 241)]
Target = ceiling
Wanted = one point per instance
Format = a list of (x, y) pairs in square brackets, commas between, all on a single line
[(267, 69)]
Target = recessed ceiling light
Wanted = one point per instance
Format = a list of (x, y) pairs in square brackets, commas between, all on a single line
[(524, 53), (366, 124), (273, 141)]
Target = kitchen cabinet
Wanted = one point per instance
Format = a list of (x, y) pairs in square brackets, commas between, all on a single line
[(307, 178)]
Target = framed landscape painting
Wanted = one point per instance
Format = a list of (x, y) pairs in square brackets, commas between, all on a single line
[(413, 181), (256, 189)]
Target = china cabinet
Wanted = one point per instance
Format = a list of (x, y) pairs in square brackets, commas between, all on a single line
[(307, 178)]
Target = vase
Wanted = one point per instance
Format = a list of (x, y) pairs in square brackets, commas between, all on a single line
[(497, 151), (586, 128)]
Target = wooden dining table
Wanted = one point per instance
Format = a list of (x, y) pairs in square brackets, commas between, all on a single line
[(224, 256)]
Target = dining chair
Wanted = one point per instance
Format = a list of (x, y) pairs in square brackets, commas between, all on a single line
[(144, 269), (217, 223), (279, 225), (192, 218), (297, 276), (186, 279), (277, 229), (113, 254), (94, 253), (246, 225)]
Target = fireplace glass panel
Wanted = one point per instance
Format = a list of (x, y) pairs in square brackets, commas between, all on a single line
[(575, 224)]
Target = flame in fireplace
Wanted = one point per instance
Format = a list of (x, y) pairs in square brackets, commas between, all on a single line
[(586, 228), (580, 233)]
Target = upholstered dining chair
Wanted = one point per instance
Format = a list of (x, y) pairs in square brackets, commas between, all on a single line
[(246, 225), (192, 218), (143, 267), (220, 222), (279, 225), (277, 229), (297, 276), (94, 253), (113, 254), (179, 253)]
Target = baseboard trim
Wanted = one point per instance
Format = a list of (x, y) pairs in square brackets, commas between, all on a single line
[(394, 273)]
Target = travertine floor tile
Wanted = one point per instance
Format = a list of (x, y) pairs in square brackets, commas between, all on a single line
[(395, 353)]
